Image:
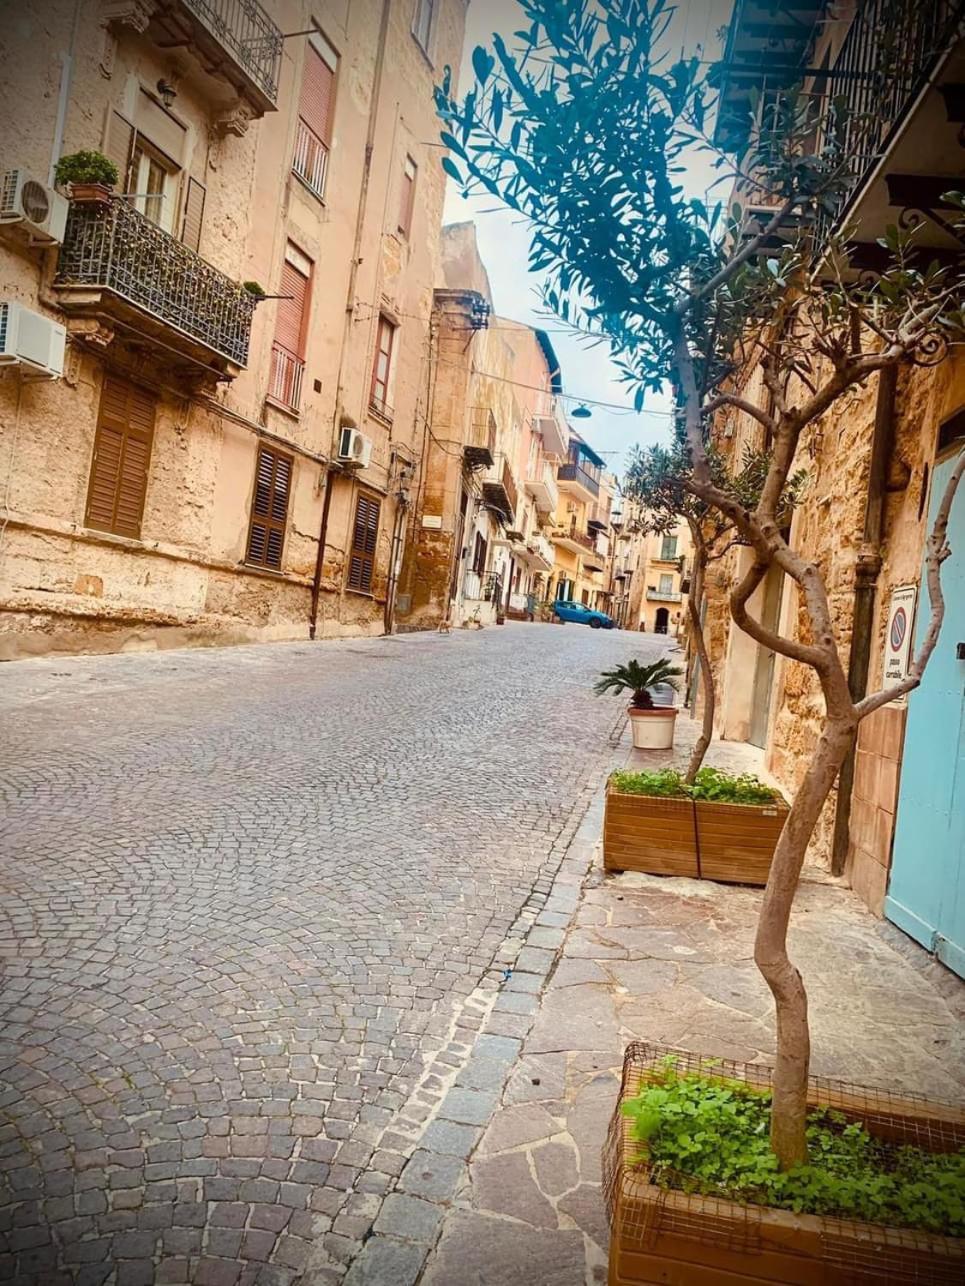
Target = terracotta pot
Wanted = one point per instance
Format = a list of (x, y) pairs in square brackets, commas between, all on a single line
[(652, 729), (685, 1239), (99, 192)]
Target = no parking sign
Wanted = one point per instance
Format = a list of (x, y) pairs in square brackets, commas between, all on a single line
[(898, 636)]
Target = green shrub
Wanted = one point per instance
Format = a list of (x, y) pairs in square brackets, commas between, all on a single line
[(710, 1135), (85, 167), (710, 784)]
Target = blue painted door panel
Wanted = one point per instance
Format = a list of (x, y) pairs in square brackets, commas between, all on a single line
[(926, 891)]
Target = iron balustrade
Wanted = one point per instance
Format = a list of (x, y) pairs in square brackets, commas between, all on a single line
[(888, 55), (111, 246), (244, 29), (310, 162), (285, 383)]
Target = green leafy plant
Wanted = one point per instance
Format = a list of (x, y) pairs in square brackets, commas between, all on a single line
[(710, 784), (709, 1135), (254, 288), (640, 680), (85, 167)]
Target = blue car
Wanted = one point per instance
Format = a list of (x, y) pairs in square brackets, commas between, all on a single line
[(566, 610)]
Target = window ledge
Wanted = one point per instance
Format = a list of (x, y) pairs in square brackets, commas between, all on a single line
[(290, 411), (423, 51), (360, 593), (307, 187), (384, 417)]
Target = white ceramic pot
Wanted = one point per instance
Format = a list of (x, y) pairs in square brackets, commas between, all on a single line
[(653, 729)]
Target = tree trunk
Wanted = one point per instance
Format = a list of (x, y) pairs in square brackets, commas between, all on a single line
[(703, 660), (788, 1116)]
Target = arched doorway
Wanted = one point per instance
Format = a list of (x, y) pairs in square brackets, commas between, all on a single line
[(661, 620)]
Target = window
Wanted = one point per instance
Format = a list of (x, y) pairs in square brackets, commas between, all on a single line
[(122, 456), (316, 109), (288, 348), (365, 534), (479, 555), (666, 583), (269, 508), (668, 548), (150, 154), (382, 367), (422, 22), (407, 198)]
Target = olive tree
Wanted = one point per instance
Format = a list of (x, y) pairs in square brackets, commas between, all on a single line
[(583, 127)]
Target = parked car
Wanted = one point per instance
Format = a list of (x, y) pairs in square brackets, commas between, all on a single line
[(582, 615)]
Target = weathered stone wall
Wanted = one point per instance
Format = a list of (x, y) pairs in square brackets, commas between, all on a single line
[(65, 587)]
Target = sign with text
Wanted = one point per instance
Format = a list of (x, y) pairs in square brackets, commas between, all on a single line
[(898, 635)]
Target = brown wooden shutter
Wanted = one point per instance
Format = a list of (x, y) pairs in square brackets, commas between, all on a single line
[(364, 537), (122, 457), (269, 508), (317, 97), (193, 213), (290, 318), (119, 148)]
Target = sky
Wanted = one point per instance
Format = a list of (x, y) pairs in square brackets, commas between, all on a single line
[(504, 245)]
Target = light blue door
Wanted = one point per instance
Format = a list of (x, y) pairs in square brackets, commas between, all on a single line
[(926, 891)]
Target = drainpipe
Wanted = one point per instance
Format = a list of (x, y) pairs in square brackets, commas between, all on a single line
[(66, 76), (350, 306), (866, 577), (395, 555)]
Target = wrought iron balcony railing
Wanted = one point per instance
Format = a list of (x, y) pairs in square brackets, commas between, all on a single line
[(886, 60), (285, 381), (245, 31), (310, 161), (110, 246)]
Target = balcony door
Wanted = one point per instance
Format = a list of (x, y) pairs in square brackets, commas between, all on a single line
[(155, 186)]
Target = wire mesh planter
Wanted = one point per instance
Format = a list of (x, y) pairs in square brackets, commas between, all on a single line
[(660, 1233)]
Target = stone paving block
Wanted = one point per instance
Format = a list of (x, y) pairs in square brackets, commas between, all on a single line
[(470, 1107), (410, 1218), (431, 1175), (450, 1139), (384, 1261)]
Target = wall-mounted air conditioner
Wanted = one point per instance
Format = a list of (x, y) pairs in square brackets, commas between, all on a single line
[(33, 207), (32, 344), (354, 448)]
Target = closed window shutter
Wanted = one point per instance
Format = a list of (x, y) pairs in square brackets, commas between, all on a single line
[(317, 95), (364, 538), (269, 508), (119, 148), (290, 318), (407, 201), (122, 458), (193, 213)]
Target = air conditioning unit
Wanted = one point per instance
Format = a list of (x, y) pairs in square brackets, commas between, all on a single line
[(32, 343), (33, 206), (354, 448)]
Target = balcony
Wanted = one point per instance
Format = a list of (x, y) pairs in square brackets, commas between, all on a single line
[(234, 42), (552, 429), (572, 477), (542, 487), (499, 493), (571, 538), (540, 554), (310, 161), (480, 449), (898, 73), (118, 266), (663, 596)]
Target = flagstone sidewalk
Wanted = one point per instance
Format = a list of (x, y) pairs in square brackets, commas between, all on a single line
[(671, 960)]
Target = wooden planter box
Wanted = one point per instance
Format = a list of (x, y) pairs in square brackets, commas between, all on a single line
[(736, 841), (649, 834), (683, 1239), (733, 843)]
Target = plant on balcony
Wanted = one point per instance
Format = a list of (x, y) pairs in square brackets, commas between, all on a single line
[(254, 288), (652, 724), (87, 175), (582, 129)]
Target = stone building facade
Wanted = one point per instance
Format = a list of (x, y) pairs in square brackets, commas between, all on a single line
[(218, 463), (666, 562), (479, 549), (871, 462)]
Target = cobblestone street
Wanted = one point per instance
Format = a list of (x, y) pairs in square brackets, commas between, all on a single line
[(253, 902)]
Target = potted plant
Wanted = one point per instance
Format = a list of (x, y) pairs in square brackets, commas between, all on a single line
[(254, 288), (88, 176), (695, 1193), (721, 826), (652, 724)]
